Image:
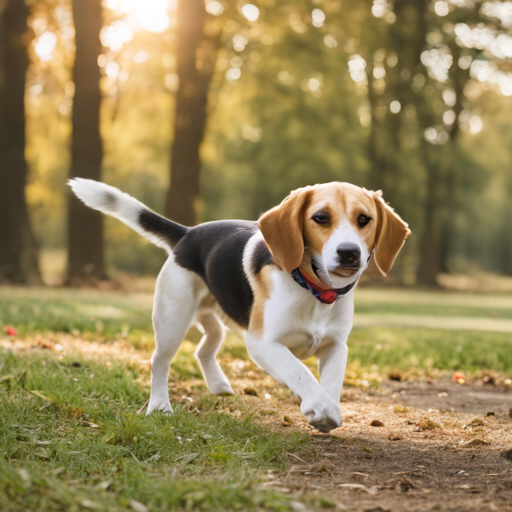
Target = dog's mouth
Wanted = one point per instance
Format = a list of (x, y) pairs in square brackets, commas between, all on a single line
[(341, 271), (345, 271)]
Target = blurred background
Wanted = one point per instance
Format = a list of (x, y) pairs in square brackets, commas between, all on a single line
[(216, 109)]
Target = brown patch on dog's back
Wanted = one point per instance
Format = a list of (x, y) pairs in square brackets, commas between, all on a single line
[(261, 288)]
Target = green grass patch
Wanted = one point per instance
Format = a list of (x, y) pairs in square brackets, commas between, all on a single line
[(74, 310), (432, 310), (405, 349), (70, 441)]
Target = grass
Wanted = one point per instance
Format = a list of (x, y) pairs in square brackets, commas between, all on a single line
[(444, 304), (71, 438), (405, 349), (74, 311)]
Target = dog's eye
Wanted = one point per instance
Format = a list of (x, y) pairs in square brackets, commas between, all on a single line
[(363, 220), (321, 218)]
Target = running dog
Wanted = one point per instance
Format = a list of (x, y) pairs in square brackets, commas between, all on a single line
[(286, 280)]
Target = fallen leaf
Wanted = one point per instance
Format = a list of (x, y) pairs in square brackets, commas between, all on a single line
[(250, 391), (428, 424), (459, 377), (89, 504), (376, 423), (39, 395), (358, 474), (42, 454), (477, 442), (488, 414), (25, 477), (405, 485), (394, 437), (287, 421), (46, 344), (477, 422), (489, 379), (187, 457), (138, 506), (103, 486), (359, 487), (90, 424)]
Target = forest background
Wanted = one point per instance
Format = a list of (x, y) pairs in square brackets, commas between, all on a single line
[(217, 109)]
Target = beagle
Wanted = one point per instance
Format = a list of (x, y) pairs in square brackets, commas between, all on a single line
[(286, 280)]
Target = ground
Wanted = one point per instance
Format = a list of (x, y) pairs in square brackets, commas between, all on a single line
[(426, 413)]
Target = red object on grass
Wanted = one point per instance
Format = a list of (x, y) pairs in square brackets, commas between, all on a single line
[(10, 331)]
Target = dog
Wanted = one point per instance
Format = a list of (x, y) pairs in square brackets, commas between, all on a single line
[(287, 281)]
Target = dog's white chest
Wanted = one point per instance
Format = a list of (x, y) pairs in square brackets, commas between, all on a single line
[(301, 322), (303, 344)]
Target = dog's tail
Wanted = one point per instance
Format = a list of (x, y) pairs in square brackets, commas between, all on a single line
[(133, 213)]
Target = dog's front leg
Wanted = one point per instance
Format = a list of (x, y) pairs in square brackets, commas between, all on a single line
[(332, 362), (317, 406)]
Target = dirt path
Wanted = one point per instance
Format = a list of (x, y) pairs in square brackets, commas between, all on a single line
[(433, 452), (440, 447)]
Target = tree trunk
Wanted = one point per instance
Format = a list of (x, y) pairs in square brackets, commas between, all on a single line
[(430, 244), (196, 57), (85, 226), (18, 254)]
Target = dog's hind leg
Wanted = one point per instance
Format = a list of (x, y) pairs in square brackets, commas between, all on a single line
[(174, 310), (206, 354)]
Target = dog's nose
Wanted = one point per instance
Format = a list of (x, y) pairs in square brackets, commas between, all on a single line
[(349, 254)]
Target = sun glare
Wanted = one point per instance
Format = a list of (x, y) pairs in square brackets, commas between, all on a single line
[(152, 15)]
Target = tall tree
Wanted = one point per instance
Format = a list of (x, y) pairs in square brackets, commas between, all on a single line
[(18, 255), (85, 226), (196, 57)]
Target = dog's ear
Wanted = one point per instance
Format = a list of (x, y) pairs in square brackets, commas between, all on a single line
[(391, 234), (283, 229)]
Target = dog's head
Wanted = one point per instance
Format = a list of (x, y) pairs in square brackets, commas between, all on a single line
[(329, 231)]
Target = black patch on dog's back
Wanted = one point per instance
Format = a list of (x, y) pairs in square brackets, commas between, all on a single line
[(161, 226), (214, 250), (261, 257)]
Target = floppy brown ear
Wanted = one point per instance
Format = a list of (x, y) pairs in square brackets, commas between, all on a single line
[(283, 229), (391, 234)]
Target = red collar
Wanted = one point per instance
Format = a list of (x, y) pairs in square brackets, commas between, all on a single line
[(326, 296)]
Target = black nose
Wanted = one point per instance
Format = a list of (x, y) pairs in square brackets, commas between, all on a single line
[(349, 255)]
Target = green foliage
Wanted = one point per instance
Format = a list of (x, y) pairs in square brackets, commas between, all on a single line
[(296, 117)]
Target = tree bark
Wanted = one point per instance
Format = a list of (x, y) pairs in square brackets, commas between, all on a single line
[(196, 57), (18, 251), (85, 226)]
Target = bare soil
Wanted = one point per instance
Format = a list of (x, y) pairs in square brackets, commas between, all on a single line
[(436, 447)]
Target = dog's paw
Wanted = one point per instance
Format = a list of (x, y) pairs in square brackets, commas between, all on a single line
[(159, 405), (321, 411), (215, 378), (223, 389)]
